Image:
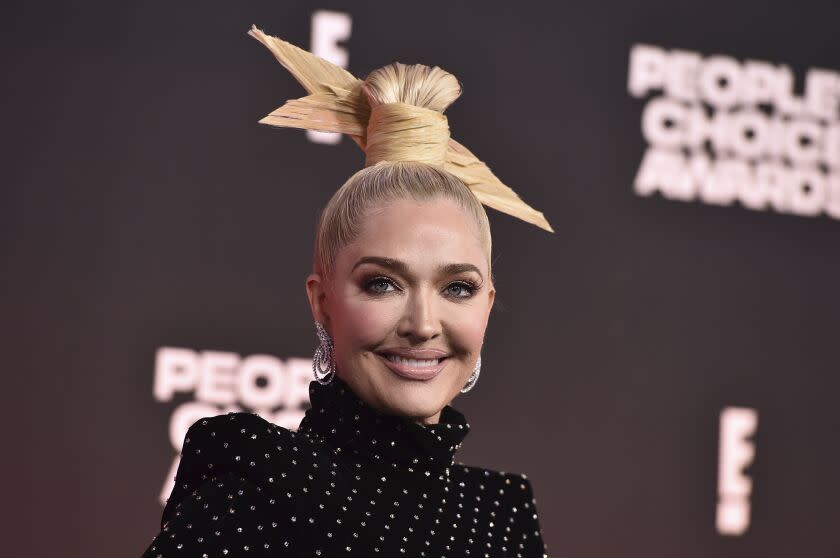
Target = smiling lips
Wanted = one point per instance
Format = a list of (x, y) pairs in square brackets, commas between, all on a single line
[(414, 364)]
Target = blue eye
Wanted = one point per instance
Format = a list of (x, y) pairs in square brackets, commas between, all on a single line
[(383, 285), (379, 285), (460, 289)]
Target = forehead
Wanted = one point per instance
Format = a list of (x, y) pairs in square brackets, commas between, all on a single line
[(423, 234)]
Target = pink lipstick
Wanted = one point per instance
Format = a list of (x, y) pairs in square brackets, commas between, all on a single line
[(414, 364)]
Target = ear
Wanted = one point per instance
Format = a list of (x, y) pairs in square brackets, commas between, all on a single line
[(491, 295), (316, 291)]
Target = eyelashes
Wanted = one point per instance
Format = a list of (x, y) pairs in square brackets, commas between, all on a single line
[(467, 289), (380, 285)]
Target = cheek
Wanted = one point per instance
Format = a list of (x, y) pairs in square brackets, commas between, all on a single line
[(466, 327), (365, 323)]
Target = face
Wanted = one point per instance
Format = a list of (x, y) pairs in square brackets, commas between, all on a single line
[(407, 306)]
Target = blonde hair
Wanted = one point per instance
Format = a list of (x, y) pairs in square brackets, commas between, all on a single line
[(401, 164), (396, 114)]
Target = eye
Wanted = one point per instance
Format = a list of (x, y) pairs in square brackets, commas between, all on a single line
[(380, 285), (460, 289)]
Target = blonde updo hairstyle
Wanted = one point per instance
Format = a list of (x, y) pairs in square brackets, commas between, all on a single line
[(400, 166)]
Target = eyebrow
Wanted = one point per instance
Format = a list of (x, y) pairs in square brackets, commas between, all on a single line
[(401, 267)]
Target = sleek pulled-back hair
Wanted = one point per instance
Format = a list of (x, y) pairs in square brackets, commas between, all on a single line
[(343, 216), (402, 166)]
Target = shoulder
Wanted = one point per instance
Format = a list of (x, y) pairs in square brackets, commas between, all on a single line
[(231, 442), (234, 440), (225, 514), (243, 444), (229, 426), (510, 487), (509, 500)]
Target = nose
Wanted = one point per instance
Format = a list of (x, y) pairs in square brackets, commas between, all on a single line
[(420, 320)]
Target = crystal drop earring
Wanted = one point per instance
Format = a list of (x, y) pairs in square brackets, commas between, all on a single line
[(473, 377), (323, 362)]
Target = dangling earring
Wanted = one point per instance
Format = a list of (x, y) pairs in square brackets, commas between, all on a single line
[(324, 360), (474, 377)]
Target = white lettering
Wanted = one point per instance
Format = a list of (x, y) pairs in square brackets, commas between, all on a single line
[(328, 29), (735, 454)]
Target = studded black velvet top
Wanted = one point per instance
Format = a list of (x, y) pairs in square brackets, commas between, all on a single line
[(350, 482)]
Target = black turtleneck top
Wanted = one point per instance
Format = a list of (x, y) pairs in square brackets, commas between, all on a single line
[(351, 482)]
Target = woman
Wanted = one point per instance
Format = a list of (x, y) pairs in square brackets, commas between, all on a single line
[(401, 291)]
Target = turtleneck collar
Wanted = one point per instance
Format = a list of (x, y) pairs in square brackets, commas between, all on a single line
[(348, 424)]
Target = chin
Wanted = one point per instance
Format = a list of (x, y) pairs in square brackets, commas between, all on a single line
[(389, 392), (409, 398), (414, 399)]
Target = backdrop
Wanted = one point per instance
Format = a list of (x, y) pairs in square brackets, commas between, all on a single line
[(663, 368)]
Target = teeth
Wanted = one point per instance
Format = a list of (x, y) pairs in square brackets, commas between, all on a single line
[(412, 361)]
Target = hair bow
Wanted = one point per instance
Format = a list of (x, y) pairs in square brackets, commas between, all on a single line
[(336, 103)]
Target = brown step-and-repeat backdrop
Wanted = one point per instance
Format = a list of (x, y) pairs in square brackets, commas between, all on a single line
[(664, 368)]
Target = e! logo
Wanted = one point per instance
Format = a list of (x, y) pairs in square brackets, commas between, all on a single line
[(328, 29), (735, 454)]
